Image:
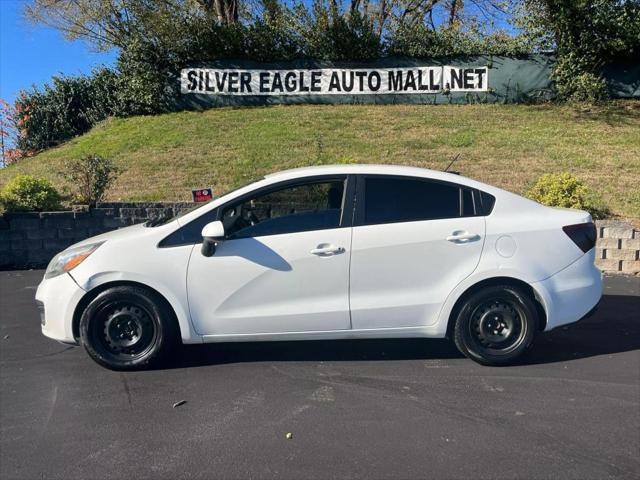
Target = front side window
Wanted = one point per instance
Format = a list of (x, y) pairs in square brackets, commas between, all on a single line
[(295, 208), (392, 200)]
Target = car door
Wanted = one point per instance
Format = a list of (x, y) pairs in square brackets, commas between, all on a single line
[(414, 240), (284, 265)]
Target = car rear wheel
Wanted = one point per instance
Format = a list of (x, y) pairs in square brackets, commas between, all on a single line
[(128, 328), (496, 325)]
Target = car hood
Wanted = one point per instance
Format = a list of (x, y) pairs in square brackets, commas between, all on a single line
[(120, 234)]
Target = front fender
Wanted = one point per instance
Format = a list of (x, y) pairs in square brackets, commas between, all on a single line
[(177, 302)]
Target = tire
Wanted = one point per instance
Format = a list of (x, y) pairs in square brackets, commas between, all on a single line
[(128, 328), (496, 325)]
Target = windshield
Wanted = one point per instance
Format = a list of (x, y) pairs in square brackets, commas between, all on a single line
[(163, 220)]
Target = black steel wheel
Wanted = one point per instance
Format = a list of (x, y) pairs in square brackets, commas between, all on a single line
[(127, 328), (496, 325), (124, 329)]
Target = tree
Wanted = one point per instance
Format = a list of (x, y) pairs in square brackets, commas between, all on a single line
[(593, 29), (116, 23), (105, 23), (586, 35), (12, 120), (226, 11)]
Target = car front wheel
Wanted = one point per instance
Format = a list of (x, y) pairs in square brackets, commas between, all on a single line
[(496, 325), (128, 328)]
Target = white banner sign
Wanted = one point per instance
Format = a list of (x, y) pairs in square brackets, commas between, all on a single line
[(334, 81)]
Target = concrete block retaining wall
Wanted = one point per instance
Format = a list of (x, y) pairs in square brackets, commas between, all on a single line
[(30, 240), (618, 247)]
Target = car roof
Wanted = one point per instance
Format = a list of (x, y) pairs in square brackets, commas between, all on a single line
[(354, 169), (349, 168), (400, 170)]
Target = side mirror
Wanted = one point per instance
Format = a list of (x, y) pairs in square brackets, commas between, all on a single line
[(212, 233)]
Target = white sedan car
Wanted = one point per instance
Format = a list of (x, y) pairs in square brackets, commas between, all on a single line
[(352, 251)]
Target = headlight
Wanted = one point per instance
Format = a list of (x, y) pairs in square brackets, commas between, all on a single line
[(69, 259)]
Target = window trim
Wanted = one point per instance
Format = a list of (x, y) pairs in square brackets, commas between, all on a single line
[(173, 239), (346, 216), (346, 219), (472, 192), (359, 214), (352, 202)]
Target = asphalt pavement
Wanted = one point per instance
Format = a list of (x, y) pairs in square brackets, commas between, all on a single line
[(355, 409)]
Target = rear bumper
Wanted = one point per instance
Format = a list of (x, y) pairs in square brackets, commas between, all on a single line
[(572, 293), (57, 299)]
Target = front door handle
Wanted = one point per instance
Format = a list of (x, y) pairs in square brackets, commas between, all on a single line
[(462, 236), (326, 249)]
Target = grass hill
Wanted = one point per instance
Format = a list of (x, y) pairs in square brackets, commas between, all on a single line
[(164, 156)]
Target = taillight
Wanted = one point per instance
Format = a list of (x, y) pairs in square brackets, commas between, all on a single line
[(583, 235)]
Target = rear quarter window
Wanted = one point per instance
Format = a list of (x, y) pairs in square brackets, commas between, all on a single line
[(486, 203)]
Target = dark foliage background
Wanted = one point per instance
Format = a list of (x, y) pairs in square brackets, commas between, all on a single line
[(155, 39)]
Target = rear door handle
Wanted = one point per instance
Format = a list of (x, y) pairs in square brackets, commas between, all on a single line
[(326, 249), (462, 236)]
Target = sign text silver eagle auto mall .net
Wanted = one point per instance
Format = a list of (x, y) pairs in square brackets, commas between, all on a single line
[(334, 81)]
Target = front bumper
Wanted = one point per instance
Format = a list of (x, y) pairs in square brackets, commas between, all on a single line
[(57, 299), (572, 293)]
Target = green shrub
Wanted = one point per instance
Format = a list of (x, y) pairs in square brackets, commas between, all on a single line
[(145, 81), (67, 107), (586, 35), (420, 41), (270, 40), (587, 87), (70, 106), (91, 176), (575, 84), (325, 34), (27, 193), (565, 190)]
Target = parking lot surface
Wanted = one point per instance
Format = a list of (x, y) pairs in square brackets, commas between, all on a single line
[(355, 409)]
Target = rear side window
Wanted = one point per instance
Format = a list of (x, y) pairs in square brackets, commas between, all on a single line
[(392, 200)]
